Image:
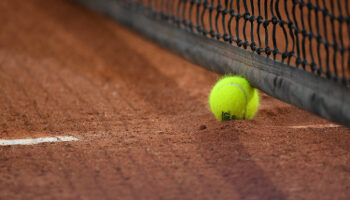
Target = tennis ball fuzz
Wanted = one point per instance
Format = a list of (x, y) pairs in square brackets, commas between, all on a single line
[(232, 97)]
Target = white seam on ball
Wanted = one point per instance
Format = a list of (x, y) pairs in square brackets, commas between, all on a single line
[(245, 95)]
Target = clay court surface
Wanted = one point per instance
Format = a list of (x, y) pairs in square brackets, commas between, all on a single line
[(141, 118)]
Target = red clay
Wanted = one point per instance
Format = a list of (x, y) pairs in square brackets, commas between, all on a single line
[(142, 118)]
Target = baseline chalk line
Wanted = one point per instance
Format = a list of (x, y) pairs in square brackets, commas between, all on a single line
[(31, 141), (316, 126)]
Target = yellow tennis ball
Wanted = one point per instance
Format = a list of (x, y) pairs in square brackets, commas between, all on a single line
[(233, 97), (253, 105)]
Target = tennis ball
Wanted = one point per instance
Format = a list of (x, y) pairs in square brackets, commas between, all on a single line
[(232, 97)]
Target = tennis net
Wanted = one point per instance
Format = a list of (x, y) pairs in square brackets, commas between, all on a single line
[(313, 35)]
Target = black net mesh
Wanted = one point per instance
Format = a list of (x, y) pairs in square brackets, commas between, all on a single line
[(309, 34)]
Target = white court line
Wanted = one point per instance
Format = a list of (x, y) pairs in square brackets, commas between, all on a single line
[(31, 141), (316, 126)]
